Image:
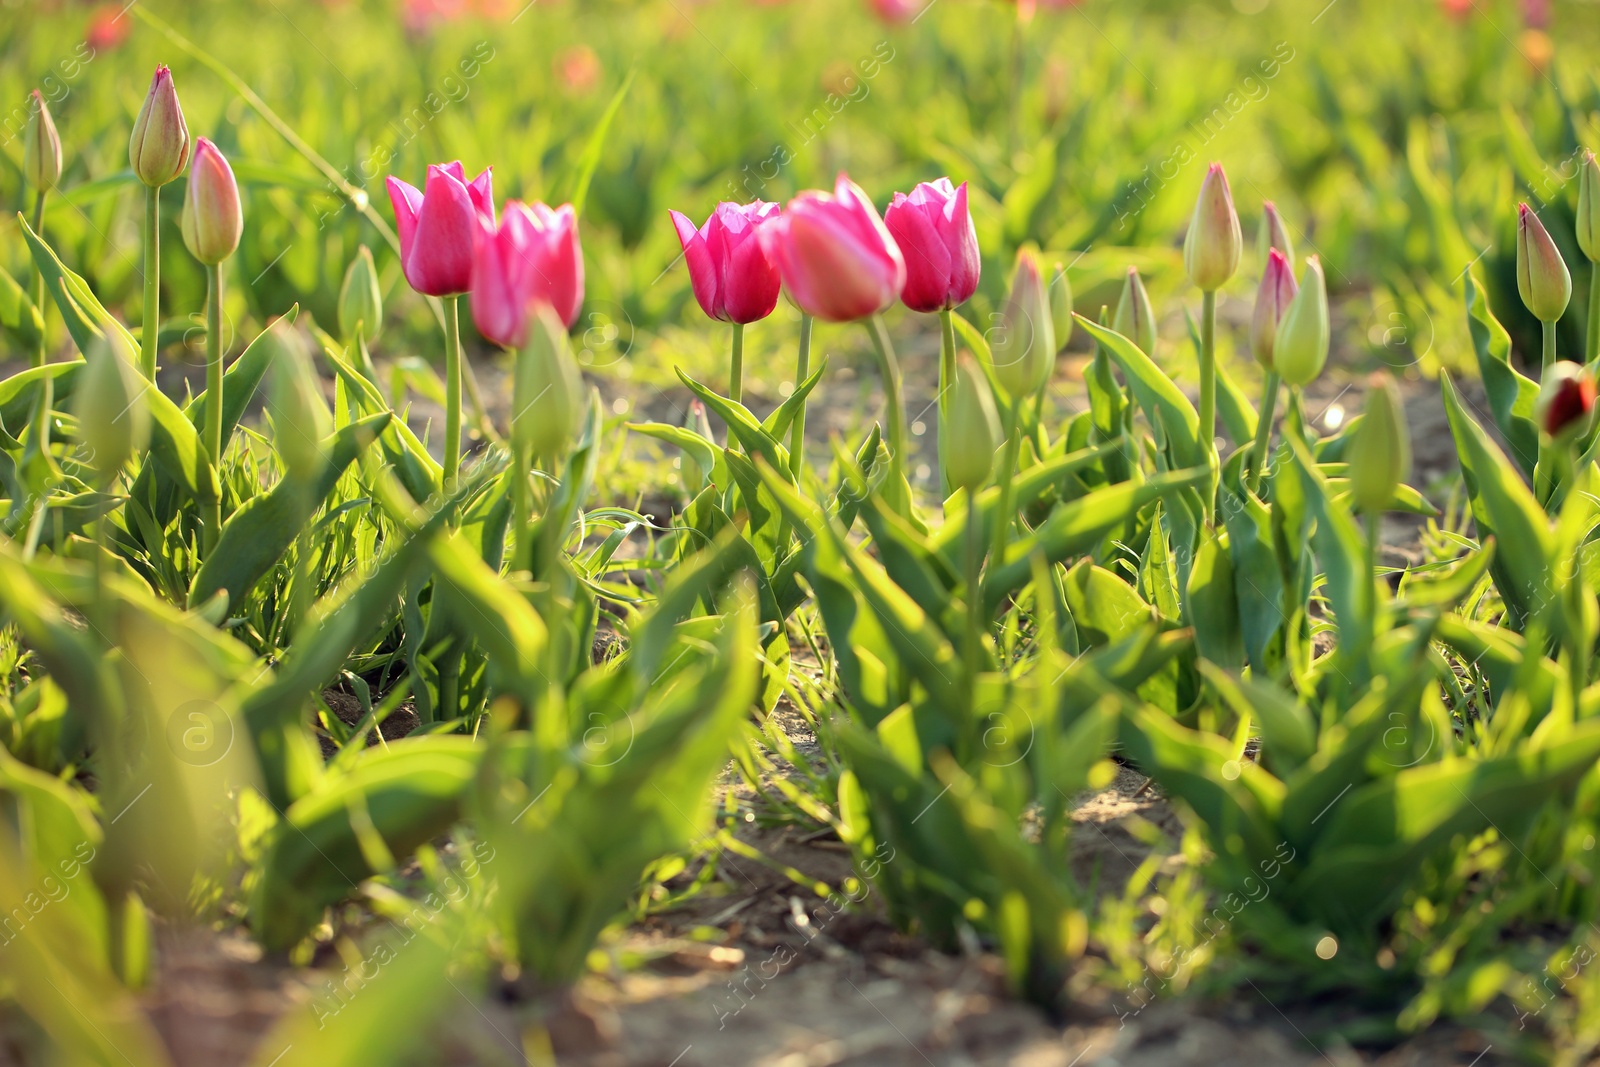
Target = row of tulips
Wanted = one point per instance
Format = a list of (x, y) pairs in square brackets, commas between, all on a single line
[(834, 255)]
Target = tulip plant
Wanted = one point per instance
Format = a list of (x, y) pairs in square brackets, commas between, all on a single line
[(1379, 763)]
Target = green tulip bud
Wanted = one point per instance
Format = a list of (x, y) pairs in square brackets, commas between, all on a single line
[(1273, 234), (1542, 276), (1211, 248), (1589, 207), (1380, 455), (158, 150), (300, 419), (1136, 316), (1025, 349), (547, 395), (360, 300), (1300, 348), (1061, 307), (974, 430), (41, 148), (113, 415)]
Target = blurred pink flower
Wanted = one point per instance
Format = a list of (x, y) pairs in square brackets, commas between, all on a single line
[(109, 26), (897, 10), (577, 68)]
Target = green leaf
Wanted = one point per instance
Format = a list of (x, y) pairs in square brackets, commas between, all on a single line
[(1162, 401), (1214, 605), (256, 536), (1511, 394), (1383, 831), (1077, 526), (1505, 509), (407, 794)]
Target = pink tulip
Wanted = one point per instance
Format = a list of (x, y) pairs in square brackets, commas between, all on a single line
[(1272, 300), (836, 257), (934, 230), (533, 257), (897, 11), (734, 278), (440, 227)]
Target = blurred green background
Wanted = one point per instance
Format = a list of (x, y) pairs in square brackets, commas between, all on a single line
[(1395, 137)]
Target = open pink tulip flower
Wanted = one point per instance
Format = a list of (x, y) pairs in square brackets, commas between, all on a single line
[(934, 230), (440, 227), (835, 255), (532, 257), (734, 279)]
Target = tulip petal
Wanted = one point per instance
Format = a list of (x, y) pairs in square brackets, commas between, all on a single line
[(702, 269), (928, 260)]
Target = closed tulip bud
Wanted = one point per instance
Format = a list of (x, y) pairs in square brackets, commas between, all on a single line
[(1136, 316), (1380, 455), (41, 149), (159, 148), (360, 299), (1211, 249), (300, 419), (934, 230), (1273, 234), (1589, 207), (212, 219), (1061, 307), (974, 431), (113, 416), (1272, 301), (547, 395), (1565, 408), (1024, 347), (1301, 346), (1542, 276)]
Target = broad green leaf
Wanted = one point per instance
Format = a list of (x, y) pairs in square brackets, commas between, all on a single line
[(1156, 393)]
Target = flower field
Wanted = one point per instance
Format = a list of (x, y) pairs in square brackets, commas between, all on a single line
[(699, 532)]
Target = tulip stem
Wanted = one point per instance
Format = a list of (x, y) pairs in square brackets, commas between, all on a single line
[(1269, 405), (892, 389), (1208, 395), (736, 365), (1373, 530), (40, 350), (41, 353), (213, 527), (521, 507), (1592, 350), (973, 640), (148, 333), (1008, 467), (452, 390), (947, 379), (797, 438), (1548, 356)]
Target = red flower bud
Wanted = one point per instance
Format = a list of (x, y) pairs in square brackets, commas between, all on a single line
[(1566, 400)]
